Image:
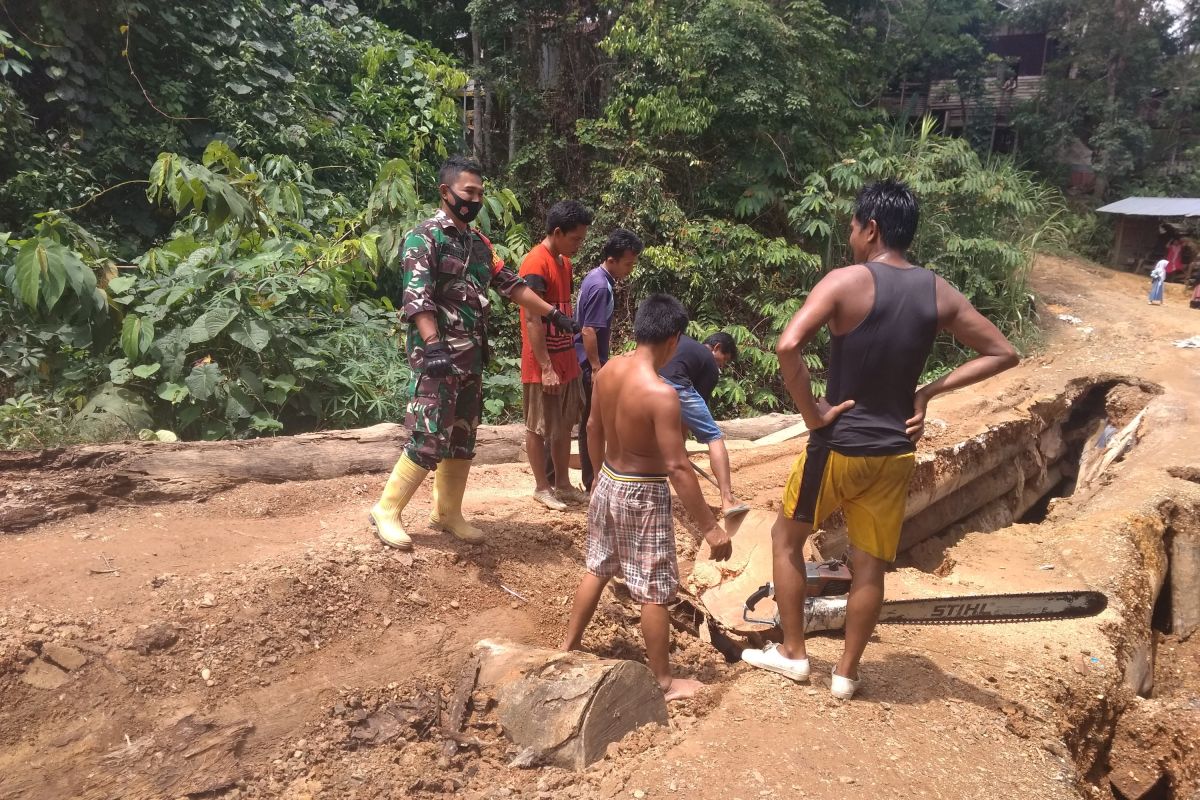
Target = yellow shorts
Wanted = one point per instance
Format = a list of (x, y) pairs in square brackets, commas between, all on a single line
[(871, 490)]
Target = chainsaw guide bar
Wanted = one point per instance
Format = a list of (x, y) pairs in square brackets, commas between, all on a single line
[(824, 612)]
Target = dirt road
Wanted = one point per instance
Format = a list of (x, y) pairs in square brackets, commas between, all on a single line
[(239, 648)]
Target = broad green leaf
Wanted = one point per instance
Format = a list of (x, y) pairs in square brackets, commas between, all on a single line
[(161, 174), (121, 284), (285, 382), (265, 422), (238, 405), (146, 370), (170, 350), (279, 388), (204, 381), (80, 276), (119, 372), (189, 415), (211, 323), (172, 392), (251, 333), (31, 264), (137, 333), (218, 151), (54, 278)]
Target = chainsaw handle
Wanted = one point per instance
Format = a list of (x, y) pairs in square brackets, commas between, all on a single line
[(761, 593)]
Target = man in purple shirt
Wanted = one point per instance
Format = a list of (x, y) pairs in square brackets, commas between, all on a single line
[(594, 312)]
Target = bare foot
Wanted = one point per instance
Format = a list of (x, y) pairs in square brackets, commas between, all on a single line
[(681, 689)]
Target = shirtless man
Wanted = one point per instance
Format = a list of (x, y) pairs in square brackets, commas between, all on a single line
[(635, 441), (883, 314)]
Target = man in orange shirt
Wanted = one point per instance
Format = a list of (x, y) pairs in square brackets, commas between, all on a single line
[(549, 369)]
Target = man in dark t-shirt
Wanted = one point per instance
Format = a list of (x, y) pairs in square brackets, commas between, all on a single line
[(694, 371)]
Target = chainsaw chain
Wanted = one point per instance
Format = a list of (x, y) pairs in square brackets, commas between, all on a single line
[(1075, 613)]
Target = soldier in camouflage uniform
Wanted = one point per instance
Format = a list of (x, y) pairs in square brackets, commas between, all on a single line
[(441, 290)]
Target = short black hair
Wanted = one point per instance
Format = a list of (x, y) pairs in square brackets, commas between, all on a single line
[(893, 206), (620, 242), (723, 342), (567, 215), (455, 166), (658, 318)]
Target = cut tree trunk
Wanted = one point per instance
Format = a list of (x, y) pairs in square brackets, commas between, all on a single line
[(38, 486), (565, 709), (1185, 583), (44, 485), (757, 427)]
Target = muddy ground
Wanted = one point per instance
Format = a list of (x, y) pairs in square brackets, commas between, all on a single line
[(253, 645)]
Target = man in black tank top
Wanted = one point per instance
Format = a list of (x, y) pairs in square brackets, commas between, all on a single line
[(883, 315)]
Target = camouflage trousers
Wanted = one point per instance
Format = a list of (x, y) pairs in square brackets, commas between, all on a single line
[(442, 417)]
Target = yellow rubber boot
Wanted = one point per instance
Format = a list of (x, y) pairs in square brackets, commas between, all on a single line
[(449, 486), (385, 515)]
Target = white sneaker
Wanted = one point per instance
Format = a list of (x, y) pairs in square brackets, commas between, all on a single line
[(546, 497), (572, 495), (770, 658), (842, 688)]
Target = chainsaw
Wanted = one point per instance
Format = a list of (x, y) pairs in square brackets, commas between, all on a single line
[(829, 582)]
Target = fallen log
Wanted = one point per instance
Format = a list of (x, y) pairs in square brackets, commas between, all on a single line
[(1185, 582), (757, 427), (565, 709), (38, 486)]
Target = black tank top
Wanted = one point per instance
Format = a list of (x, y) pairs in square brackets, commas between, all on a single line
[(878, 365)]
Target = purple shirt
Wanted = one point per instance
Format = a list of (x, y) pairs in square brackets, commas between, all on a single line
[(594, 309)]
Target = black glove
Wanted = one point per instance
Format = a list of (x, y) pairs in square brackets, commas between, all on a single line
[(560, 319), (438, 362)]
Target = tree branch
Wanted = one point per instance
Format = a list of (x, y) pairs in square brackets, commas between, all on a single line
[(145, 94)]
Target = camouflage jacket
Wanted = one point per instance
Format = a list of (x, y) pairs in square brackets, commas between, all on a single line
[(449, 272)]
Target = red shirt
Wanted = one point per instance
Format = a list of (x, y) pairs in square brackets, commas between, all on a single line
[(559, 343)]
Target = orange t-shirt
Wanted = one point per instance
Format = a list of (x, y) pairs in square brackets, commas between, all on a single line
[(560, 344)]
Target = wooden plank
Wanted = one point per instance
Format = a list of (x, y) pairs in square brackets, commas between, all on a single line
[(788, 433)]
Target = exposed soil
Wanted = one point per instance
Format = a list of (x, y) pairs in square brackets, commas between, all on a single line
[(263, 644)]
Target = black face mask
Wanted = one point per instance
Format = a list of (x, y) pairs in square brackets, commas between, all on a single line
[(464, 209)]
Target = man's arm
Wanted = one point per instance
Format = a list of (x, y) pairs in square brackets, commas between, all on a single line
[(595, 429), (591, 347), (977, 332), (664, 405), (529, 300), (509, 284), (817, 311), (419, 281), (535, 329), (591, 309)]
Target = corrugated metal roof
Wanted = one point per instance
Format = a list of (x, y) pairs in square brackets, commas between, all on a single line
[(1154, 207)]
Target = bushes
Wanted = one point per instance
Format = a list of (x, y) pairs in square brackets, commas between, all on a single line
[(257, 315), (111, 85)]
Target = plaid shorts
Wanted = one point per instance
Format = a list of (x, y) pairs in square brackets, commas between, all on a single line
[(631, 534)]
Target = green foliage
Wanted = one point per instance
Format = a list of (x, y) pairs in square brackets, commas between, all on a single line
[(256, 315), (291, 146), (717, 96), (31, 421), (114, 84), (1113, 59)]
